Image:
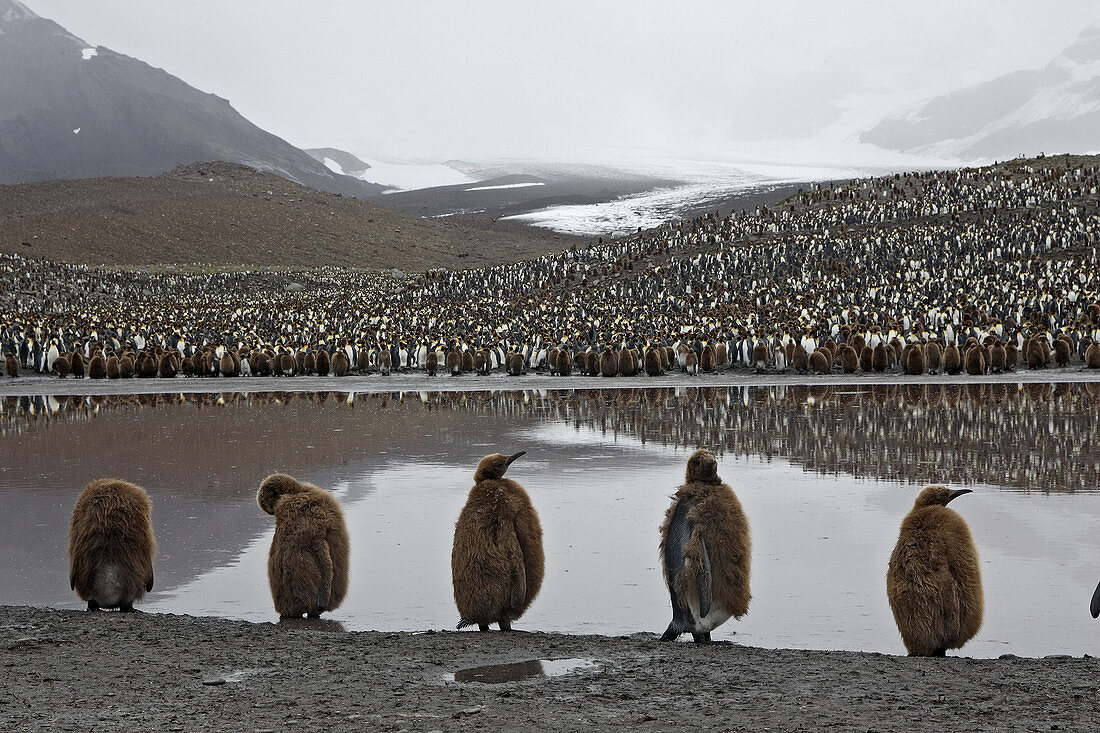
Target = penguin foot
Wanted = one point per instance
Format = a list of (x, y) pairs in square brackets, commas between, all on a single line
[(93, 606), (701, 638), (315, 614), (505, 625), (483, 627), (671, 633), (126, 608)]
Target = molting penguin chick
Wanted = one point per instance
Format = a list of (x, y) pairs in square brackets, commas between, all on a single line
[(934, 582), (307, 566), (497, 559), (111, 545), (705, 552)]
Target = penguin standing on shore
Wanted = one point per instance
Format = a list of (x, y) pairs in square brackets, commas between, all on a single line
[(934, 581), (497, 559), (705, 552), (307, 566), (111, 545)]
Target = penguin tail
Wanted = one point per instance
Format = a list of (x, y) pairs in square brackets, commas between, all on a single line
[(464, 622)]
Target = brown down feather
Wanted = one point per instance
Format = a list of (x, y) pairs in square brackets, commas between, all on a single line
[(111, 544), (719, 520), (307, 566), (497, 561), (934, 582)]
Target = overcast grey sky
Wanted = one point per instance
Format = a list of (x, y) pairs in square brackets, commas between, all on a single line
[(438, 80)]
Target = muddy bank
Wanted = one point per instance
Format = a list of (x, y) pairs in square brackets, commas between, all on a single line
[(72, 670)]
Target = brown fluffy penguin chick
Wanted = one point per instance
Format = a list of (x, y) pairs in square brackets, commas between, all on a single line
[(111, 545), (307, 566), (11, 365), (705, 552), (1092, 356), (97, 367), (934, 582), (820, 362), (652, 363), (497, 559)]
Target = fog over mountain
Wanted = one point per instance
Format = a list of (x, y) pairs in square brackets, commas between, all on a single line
[(71, 110), (610, 83), (1052, 109)]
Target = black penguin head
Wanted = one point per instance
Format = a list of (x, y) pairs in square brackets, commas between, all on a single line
[(938, 496), (703, 467), (494, 466)]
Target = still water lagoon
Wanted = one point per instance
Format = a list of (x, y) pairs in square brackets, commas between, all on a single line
[(825, 475)]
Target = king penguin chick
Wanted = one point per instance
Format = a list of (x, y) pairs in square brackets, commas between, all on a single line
[(111, 545), (705, 552), (934, 582), (497, 559), (307, 566)]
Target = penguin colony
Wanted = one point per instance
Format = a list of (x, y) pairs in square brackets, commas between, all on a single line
[(967, 272), (497, 560)]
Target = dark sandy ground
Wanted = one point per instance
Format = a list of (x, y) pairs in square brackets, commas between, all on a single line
[(73, 670), (416, 380)]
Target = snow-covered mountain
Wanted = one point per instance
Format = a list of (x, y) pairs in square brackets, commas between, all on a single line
[(1054, 109), (68, 110)]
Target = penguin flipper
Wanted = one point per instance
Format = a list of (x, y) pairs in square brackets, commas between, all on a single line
[(149, 583), (704, 582), (510, 541), (72, 586), (1095, 606), (676, 537)]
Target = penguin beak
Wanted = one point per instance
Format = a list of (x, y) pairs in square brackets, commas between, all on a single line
[(513, 457), (957, 494)]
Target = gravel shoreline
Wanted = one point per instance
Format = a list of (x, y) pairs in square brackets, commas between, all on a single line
[(74, 670)]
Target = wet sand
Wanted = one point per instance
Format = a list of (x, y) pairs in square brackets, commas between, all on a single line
[(73, 670), (412, 381)]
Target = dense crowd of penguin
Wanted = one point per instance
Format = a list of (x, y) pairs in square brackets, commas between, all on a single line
[(497, 561), (971, 271)]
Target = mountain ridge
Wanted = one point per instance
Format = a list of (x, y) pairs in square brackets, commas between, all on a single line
[(69, 110)]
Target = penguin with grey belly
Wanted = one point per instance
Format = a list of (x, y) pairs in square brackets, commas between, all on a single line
[(705, 552)]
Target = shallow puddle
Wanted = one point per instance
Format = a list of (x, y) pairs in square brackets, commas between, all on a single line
[(516, 671), (825, 475)]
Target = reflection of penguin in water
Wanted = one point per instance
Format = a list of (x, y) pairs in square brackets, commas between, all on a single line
[(307, 566), (497, 559), (111, 545), (934, 581), (705, 552)]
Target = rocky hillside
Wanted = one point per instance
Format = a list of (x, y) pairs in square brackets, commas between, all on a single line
[(225, 214), (69, 110)]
